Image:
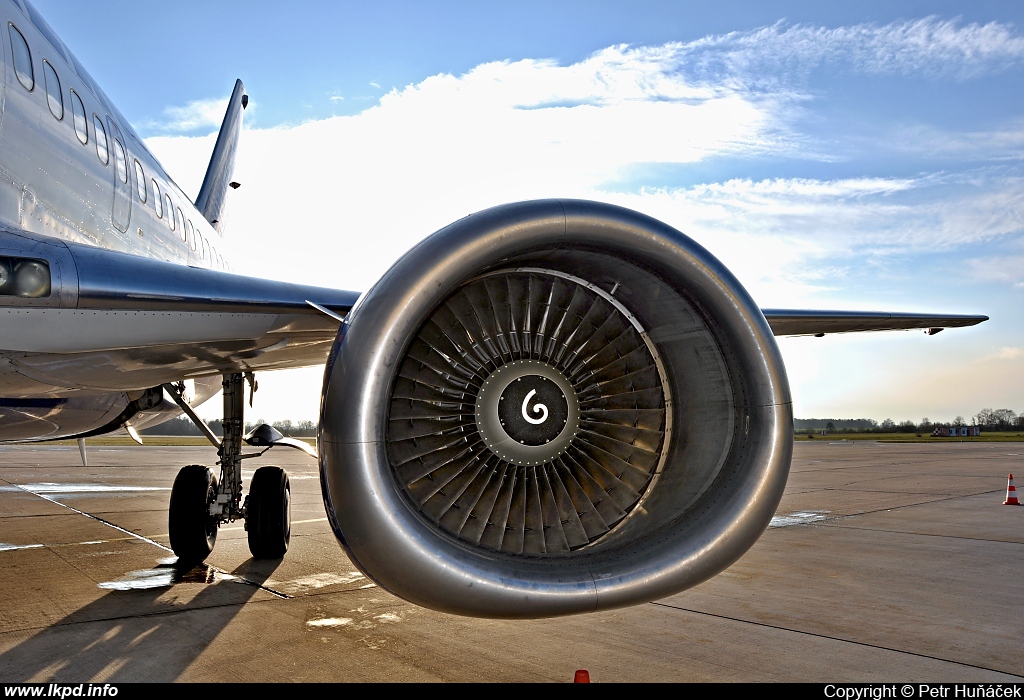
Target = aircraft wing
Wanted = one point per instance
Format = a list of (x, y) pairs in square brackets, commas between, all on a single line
[(115, 321), (813, 322), (111, 280)]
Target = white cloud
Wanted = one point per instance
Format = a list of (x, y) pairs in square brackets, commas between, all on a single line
[(1004, 143), (370, 186), (336, 201), (1004, 353), (1000, 268), (196, 115), (873, 216), (930, 46)]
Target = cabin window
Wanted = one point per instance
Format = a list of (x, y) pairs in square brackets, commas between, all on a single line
[(78, 112), (184, 230), (121, 162), (101, 140), (158, 203), (203, 252), (170, 211), (22, 59), (140, 181), (53, 94)]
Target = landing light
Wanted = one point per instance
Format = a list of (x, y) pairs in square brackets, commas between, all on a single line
[(24, 277)]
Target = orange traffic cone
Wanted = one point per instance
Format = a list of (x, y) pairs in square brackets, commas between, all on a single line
[(582, 676), (1011, 494)]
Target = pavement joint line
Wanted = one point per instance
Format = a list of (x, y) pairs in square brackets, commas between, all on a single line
[(67, 544), (338, 591), (96, 518), (134, 616), (159, 613), (836, 466), (927, 534), (914, 505), (943, 496), (294, 522), (53, 515), (271, 591), (146, 540), (892, 508), (73, 565), (836, 639), (836, 518)]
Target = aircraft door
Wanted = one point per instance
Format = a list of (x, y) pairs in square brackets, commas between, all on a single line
[(122, 207)]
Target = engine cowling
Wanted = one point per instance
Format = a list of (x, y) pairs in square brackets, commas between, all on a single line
[(552, 407)]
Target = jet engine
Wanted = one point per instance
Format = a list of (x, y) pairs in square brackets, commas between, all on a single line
[(552, 407)]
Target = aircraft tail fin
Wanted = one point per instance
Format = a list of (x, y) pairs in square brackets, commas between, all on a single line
[(212, 194)]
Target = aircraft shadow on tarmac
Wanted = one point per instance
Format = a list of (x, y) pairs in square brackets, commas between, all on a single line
[(135, 633)]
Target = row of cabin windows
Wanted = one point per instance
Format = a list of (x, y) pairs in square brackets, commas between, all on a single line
[(55, 100)]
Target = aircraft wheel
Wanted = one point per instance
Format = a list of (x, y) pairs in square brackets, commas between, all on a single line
[(192, 529), (269, 513)]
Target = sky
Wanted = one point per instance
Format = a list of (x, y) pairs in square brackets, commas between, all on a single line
[(837, 156)]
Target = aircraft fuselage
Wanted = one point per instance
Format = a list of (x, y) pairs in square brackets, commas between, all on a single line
[(135, 293)]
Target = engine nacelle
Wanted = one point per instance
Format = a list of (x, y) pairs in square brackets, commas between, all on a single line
[(552, 407)]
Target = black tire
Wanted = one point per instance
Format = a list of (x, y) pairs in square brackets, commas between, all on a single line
[(268, 518), (192, 529)]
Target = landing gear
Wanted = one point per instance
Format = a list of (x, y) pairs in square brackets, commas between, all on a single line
[(268, 517), (192, 528), (200, 504)]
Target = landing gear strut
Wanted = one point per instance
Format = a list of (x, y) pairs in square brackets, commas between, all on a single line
[(200, 503)]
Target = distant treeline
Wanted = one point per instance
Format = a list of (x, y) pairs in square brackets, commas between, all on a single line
[(999, 419), (848, 425), (182, 425)]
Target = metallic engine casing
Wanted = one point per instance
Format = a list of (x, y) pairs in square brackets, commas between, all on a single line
[(728, 448)]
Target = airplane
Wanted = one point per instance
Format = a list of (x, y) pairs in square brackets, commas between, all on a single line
[(544, 408)]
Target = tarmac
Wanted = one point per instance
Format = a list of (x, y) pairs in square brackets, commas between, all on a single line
[(885, 563)]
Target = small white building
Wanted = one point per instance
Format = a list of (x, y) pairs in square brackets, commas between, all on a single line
[(957, 431)]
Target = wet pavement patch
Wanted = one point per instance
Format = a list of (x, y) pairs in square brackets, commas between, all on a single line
[(315, 582), (365, 621), (166, 575), (330, 622), (801, 518)]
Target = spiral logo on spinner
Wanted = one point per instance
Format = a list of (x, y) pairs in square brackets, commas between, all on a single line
[(541, 408)]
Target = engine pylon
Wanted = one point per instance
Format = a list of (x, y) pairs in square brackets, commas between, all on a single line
[(1011, 493)]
